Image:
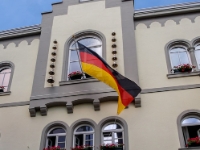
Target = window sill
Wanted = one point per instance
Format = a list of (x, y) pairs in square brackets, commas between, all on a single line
[(190, 148), (186, 74), (5, 93), (61, 83)]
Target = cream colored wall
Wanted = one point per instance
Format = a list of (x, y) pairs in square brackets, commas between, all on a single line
[(24, 58), (80, 18), (151, 127), (150, 44)]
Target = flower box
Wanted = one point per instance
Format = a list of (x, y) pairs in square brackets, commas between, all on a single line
[(1, 88), (114, 148), (183, 68), (193, 142), (75, 75)]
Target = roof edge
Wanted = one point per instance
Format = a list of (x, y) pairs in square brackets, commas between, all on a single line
[(167, 10), (19, 32)]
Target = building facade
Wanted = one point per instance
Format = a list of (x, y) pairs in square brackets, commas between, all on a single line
[(148, 45)]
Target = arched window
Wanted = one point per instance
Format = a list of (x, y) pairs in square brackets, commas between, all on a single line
[(197, 55), (5, 76), (83, 135), (179, 56), (56, 137), (112, 133), (92, 42)]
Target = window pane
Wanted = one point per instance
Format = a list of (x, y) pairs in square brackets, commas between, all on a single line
[(184, 58), (74, 66), (57, 130), (174, 59), (98, 50), (89, 143), (84, 128), (197, 55), (190, 121), (89, 137), (1, 79), (62, 145), (119, 141), (118, 135), (6, 79), (61, 139), (112, 127), (88, 42), (79, 140), (107, 136), (74, 56)]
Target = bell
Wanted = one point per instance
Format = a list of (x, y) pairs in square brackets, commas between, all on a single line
[(51, 72), (53, 53), (55, 42), (114, 52), (114, 58), (50, 80), (113, 33), (54, 47), (114, 46), (53, 59), (114, 39), (52, 65)]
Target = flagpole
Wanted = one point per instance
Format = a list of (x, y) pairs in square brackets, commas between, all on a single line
[(78, 55)]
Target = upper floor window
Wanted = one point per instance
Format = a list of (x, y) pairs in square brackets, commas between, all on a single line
[(56, 137), (92, 42), (83, 135), (197, 55), (6, 72), (179, 56), (112, 133)]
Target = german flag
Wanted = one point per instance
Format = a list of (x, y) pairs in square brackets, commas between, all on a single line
[(96, 67)]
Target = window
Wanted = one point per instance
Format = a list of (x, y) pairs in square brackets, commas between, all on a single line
[(91, 42), (197, 55), (191, 128), (83, 135), (179, 56), (112, 133), (56, 137), (5, 76)]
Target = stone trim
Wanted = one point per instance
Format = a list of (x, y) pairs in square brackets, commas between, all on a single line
[(180, 132), (167, 10), (5, 93), (14, 104), (20, 32)]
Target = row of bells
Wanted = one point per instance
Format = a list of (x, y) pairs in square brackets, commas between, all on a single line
[(52, 65), (114, 52)]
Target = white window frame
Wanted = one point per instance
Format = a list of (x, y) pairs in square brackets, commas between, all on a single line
[(179, 46), (56, 135), (1, 82), (84, 134), (198, 44), (113, 131), (78, 39)]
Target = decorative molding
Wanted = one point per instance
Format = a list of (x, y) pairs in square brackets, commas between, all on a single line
[(96, 104), (62, 83), (171, 88), (70, 108), (167, 10), (32, 112), (43, 111), (14, 104), (20, 32)]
